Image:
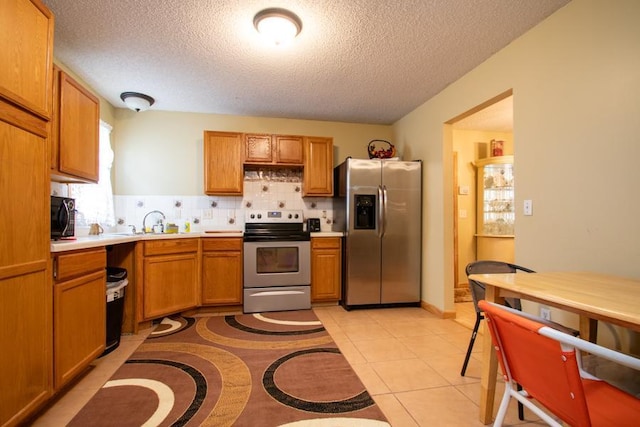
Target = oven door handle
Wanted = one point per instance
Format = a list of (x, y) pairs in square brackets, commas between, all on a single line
[(276, 293)]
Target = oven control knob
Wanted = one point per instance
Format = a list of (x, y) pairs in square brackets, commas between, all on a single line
[(296, 216), (259, 216), (290, 216), (252, 216)]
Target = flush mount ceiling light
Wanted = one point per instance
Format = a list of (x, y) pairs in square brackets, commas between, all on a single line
[(279, 26), (137, 101)]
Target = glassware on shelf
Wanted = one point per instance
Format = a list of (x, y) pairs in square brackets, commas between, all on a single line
[(496, 213)]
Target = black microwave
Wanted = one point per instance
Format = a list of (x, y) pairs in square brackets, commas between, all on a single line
[(63, 217)]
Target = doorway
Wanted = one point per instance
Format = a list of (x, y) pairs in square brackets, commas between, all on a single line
[(473, 133)]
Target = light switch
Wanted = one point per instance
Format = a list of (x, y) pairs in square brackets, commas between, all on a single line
[(463, 190), (528, 208), (462, 213)]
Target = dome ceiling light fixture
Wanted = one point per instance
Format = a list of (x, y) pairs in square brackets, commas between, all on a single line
[(137, 101), (277, 25)]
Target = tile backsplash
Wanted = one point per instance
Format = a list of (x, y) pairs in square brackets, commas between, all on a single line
[(273, 189)]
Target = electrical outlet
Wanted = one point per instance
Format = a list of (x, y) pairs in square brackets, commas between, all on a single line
[(545, 313), (528, 207)]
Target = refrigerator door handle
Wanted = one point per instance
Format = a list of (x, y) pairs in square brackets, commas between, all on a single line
[(380, 212), (382, 190)]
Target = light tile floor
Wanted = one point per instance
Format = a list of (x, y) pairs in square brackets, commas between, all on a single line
[(408, 359)]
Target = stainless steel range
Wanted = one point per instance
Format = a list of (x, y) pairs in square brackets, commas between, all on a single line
[(277, 262)]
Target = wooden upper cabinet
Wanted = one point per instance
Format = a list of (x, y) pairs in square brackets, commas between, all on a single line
[(273, 149), (258, 148), (26, 55), (223, 173), (75, 132), (318, 167), (288, 149)]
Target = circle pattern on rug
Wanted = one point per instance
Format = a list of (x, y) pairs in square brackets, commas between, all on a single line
[(233, 322), (360, 401), (199, 380), (171, 325)]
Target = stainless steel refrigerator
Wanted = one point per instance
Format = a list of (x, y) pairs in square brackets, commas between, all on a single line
[(378, 205)]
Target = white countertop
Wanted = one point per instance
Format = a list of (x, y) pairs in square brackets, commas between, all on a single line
[(106, 239), (87, 242), (327, 234)]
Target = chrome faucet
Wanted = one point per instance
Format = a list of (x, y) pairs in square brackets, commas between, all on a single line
[(153, 229)]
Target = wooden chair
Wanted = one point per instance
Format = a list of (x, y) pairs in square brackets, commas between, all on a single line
[(546, 363)]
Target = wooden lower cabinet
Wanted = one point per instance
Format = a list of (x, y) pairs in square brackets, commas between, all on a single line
[(170, 277), (79, 312), (326, 269), (222, 271)]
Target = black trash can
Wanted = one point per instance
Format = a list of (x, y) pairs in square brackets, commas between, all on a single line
[(116, 284)]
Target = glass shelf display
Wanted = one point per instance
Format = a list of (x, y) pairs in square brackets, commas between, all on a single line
[(496, 210)]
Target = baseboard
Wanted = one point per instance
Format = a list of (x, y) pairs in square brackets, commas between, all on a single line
[(435, 310)]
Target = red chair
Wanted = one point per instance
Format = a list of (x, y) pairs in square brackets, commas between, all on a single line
[(546, 363)]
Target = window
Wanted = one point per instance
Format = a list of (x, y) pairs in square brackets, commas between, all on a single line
[(94, 202)]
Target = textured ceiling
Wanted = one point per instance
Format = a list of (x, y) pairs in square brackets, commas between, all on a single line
[(362, 61), (497, 117)]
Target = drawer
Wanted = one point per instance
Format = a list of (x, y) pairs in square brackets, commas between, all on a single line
[(170, 246), (325, 243), (76, 264), (221, 244)]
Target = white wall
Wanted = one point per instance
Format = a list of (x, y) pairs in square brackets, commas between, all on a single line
[(576, 88)]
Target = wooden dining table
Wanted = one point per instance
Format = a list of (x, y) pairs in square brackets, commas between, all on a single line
[(592, 296)]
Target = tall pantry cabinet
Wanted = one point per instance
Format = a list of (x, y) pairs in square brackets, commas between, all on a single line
[(26, 53)]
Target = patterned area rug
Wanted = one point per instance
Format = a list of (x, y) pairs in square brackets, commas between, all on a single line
[(272, 369)]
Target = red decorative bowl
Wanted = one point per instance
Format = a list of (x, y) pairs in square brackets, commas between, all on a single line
[(381, 149)]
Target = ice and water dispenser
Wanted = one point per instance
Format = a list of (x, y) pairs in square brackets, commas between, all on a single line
[(365, 215)]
